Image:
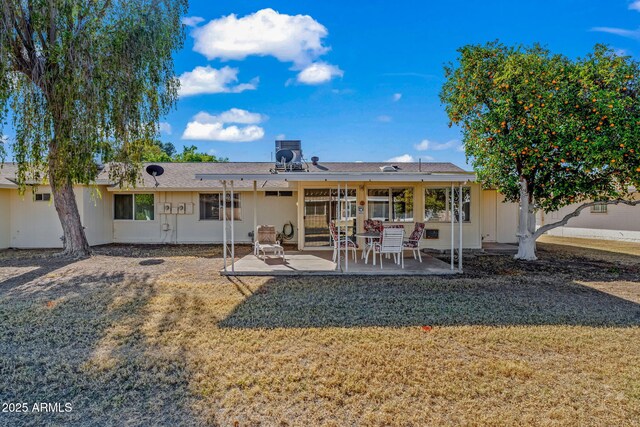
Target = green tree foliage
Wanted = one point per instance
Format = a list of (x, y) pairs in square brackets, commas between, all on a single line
[(166, 152), (86, 81), (547, 131)]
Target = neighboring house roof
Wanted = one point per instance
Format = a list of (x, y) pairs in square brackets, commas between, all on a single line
[(8, 175), (183, 175)]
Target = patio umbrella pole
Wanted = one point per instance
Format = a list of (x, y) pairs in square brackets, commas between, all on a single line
[(460, 228), (224, 226), (452, 228)]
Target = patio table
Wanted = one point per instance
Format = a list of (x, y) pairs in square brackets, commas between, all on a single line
[(369, 236)]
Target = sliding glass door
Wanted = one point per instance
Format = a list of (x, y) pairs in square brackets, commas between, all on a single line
[(321, 207)]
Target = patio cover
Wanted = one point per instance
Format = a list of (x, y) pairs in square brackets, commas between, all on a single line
[(341, 179)]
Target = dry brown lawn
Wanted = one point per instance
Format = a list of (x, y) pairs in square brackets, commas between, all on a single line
[(154, 336)]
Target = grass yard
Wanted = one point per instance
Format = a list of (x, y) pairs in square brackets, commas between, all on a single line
[(154, 336)]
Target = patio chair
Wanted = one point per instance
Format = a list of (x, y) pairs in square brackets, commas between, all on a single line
[(413, 242), (343, 242), (267, 241), (390, 244)]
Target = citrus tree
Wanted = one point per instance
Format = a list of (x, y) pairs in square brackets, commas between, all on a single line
[(545, 130), (85, 81)]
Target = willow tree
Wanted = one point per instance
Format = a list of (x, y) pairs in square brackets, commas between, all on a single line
[(85, 81), (547, 131)]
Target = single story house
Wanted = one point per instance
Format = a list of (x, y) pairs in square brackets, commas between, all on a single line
[(602, 221), (186, 204)]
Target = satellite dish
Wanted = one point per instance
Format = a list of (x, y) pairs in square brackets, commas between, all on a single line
[(154, 171), (284, 156)]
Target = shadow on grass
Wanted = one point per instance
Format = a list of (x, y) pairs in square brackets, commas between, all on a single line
[(91, 347), (398, 302), (29, 269)]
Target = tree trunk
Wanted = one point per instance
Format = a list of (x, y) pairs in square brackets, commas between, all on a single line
[(74, 239), (526, 226)]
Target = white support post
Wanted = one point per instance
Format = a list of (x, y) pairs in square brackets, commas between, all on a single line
[(224, 224), (452, 228), (346, 227), (233, 239), (460, 227), (255, 211), (339, 257)]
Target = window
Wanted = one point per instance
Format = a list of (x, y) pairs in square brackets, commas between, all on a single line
[(211, 207), (278, 193), (390, 204), (437, 204), (599, 208), (42, 197), (137, 207)]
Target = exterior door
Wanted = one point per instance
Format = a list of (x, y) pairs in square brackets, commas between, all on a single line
[(321, 207)]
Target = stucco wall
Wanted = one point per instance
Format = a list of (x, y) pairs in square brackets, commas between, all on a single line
[(35, 224), (470, 230), (188, 228), (96, 213), (620, 222), (5, 219)]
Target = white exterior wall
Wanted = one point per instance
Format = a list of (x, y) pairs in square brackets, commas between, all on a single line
[(499, 219), (620, 222), (35, 224), (96, 213), (188, 228), (5, 218), (471, 238)]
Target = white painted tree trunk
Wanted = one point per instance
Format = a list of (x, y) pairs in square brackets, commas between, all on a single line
[(526, 226)]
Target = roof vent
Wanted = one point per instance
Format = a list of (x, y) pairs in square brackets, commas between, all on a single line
[(389, 168)]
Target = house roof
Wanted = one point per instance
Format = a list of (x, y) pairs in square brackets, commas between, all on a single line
[(8, 175), (183, 176)]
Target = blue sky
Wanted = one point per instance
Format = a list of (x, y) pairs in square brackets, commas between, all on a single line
[(356, 80)]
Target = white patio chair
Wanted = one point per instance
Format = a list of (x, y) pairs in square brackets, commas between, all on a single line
[(390, 243), (267, 242)]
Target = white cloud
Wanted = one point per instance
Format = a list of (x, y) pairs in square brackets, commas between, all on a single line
[(404, 158), (397, 96), (384, 119), (425, 145), (210, 80), (234, 115), (427, 158), (281, 136), (208, 127), (212, 152), (635, 5), (165, 128), (318, 73), (192, 21), (632, 34), (289, 38)]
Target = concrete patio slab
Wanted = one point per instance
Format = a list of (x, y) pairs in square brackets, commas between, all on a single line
[(320, 263)]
